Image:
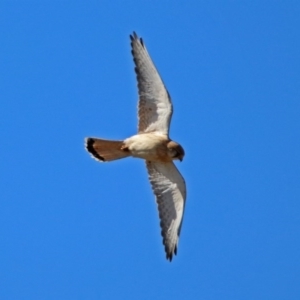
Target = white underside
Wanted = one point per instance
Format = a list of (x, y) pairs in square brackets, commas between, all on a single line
[(144, 145)]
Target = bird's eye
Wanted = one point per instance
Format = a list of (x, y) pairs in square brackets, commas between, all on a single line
[(174, 153)]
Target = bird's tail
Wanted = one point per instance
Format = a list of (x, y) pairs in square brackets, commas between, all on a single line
[(105, 150)]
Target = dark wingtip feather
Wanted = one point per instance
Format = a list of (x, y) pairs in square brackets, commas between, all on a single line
[(142, 42), (135, 37), (89, 146), (169, 256)]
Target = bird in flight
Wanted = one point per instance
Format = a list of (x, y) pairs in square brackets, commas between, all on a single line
[(153, 144)]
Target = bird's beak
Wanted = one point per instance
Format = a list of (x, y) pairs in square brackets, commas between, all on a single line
[(181, 158)]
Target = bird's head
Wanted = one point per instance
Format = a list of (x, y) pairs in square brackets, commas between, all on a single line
[(175, 151)]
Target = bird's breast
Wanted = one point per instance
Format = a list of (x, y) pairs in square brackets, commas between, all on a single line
[(151, 147)]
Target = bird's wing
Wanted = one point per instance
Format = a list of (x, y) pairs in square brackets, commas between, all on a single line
[(170, 191), (155, 106)]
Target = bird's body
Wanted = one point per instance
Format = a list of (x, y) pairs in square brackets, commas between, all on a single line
[(152, 143), (149, 146)]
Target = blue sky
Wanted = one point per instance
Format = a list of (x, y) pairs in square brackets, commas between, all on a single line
[(72, 228)]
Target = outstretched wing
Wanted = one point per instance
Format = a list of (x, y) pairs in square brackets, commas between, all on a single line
[(170, 191), (155, 106)]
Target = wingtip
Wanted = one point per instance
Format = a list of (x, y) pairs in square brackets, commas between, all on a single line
[(169, 257), (135, 37), (169, 254)]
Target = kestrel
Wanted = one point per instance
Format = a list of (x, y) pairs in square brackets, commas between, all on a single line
[(153, 144)]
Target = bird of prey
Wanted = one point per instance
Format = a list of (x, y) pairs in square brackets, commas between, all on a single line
[(153, 144)]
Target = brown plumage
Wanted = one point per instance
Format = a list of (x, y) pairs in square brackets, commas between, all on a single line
[(106, 150)]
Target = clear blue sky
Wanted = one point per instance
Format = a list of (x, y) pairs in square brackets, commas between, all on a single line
[(72, 228)]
